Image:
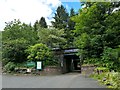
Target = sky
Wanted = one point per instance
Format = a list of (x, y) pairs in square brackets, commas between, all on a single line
[(69, 5), (28, 11)]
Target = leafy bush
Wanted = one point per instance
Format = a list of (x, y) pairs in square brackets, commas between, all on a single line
[(110, 79), (98, 76), (10, 66), (52, 62), (110, 58), (116, 80), (18, 65), (103, 69), (13, 51), (94, 61), (40, 52), (16, 37)]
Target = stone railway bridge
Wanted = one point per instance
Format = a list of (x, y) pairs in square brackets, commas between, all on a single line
[(69, 61)]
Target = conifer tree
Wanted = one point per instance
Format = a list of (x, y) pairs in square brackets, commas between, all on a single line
[(42, 22)]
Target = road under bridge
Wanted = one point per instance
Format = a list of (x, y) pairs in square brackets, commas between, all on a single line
[(69, 61)]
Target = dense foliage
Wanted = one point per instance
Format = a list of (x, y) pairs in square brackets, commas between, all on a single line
[(16, 38), (38, 52), (110, 79), (97, 33), (53, 38), (62, 20)]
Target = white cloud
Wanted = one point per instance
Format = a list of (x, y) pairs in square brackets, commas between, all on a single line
[(26, 10)]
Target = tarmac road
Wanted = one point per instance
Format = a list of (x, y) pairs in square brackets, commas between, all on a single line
[(71, 80)]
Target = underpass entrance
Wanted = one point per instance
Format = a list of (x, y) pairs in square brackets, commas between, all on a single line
[(69, 61)]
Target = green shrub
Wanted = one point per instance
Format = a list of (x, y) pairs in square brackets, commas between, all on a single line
[(116, 81), (110, 58), (10, 66), (94, 61), (51, 63), (38, 52), (19, 65), (110, 79), (103, 69)]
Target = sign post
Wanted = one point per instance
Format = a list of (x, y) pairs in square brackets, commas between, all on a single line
[(31, 64), (39, 65)]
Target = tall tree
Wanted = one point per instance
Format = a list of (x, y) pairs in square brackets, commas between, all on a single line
[(91, 21), (72, 12), (97, 33), (112, 33), (53, 38), (16, 37), (61, 18), (69, 29), (42, 22), (63, 21), (71, 23), (36, 24)]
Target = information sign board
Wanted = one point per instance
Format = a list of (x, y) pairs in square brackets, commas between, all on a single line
[(39, 65)]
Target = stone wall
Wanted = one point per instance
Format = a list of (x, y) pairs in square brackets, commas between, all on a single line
[(88, 69), (52, 70), (49, 70)]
